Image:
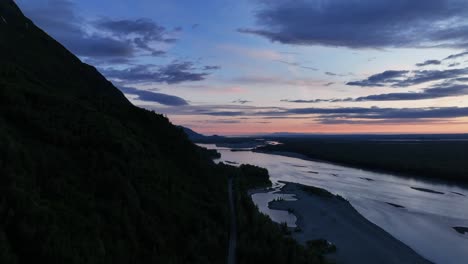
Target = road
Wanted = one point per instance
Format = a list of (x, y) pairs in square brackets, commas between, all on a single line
[(231, 258)]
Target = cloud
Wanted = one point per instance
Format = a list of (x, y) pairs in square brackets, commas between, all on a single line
[(112, 41), (260, 79), (446, 89), (408, 78), (241, 101), (363, 23), (336, 74), (429, 62), (211, 68), (320, 114), (59, 19), (341, 121), (296, 64), (458, 55), (307, 101), (454, 64), (382, 113), (144, 28), (150, 96), (173, 73), (221, 121), (380, 79), (140, 32), (430, 93)]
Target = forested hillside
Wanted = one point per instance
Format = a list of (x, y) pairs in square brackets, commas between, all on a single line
[(85, 176)]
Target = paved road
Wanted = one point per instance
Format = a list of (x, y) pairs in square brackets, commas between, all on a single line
[(233, 230)]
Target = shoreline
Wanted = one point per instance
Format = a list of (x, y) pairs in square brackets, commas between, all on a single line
[(381, 171), (322, 215)]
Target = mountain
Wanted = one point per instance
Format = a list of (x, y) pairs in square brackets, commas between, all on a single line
[(194, 136), (200, 138), (86, 177)]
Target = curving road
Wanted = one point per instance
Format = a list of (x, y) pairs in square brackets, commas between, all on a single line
[(231, 258)]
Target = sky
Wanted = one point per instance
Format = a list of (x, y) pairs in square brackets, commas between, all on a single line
[(261, 66)]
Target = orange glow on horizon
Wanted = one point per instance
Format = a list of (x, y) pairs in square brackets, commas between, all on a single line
[(250, 127)]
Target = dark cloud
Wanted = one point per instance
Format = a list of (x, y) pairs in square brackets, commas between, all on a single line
[(222, 121), (380, 79), (409, 78), (223, 113), (454, 64), (106, 40), (145, 28), (313, 101), (340, 121), (447, 89), (59, 19), (241, 101), (141, 32), (173, 73), (363, 23), (430, 93), (429, 62), (323, 115), (416, 113), (336, 74), (158, 53), (95, 46), (382, 113), (458, 55), (211, 68), (329, 84), (372, 113), (150, 96)]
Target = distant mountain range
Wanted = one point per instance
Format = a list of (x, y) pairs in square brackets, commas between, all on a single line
[(197, 137)]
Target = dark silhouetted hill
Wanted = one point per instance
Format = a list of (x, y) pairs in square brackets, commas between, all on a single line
[(86, 177)]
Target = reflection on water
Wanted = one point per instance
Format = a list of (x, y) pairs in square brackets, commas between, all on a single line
[(279, 216), (422, 214)]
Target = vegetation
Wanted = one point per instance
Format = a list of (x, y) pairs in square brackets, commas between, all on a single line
[(445, 160), (322, 245), (86, 177), (261, 240), (317, 191)]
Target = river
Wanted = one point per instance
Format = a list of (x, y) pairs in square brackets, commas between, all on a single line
[(419, 213)]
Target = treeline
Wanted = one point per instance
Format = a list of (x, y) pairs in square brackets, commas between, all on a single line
[(82, 185), (445, 160), (86, 177), (259, 239)]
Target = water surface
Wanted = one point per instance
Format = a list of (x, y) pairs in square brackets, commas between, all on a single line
[(422, 214)]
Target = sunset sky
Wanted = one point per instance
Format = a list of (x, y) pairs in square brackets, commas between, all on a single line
[(257, 66)]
